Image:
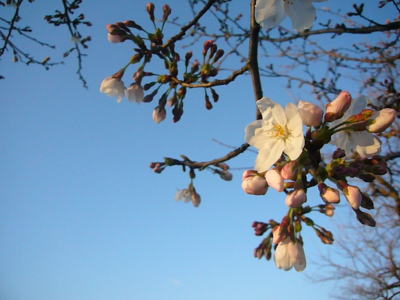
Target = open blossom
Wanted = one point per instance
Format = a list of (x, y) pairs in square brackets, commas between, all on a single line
[(279, 131), (383, 120), (114, 87), (364, 143), (270, 13), (189, 195), (310, 113), (290, 254), (134, 93), (253, 183)]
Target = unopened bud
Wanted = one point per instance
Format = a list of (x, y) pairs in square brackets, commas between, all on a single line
[(166, 12), (310, 113), (133, 24), (383, 120), (274, 179), (208, 103), (150, 10), (336, 109), (296, 198), (159, 114)]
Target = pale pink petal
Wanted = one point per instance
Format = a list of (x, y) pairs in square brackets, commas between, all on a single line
[(250, 136), (366, 144), (279, 115), (269, 13), (301, 13), (269, 154), (265, 106), (294, 146), (295, 123)]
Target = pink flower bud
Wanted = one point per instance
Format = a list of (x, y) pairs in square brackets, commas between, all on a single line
[(289, 171), (296, 198), (159, 114), (310, 113), (274, 179), (328, 194), (336, 109), (383, 120), (253, 183), (353, 195), (115, 38)]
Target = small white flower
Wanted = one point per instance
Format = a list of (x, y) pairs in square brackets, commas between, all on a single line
[(364, 143), (134, 93), (114, 87), (270, 13), (279, 131), (289, 254), (189, 195)]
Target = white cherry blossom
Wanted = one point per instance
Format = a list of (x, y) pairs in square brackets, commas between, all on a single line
[(114, 87), (269, 13), (279, 131), (364, 143)]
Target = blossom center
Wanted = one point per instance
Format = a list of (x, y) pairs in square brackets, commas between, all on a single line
[(281, 132)]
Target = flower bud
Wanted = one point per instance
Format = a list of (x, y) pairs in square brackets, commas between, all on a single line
[(329, 210), (274, 179), (289, 171), (116, 37), (328, 194), (353, 196), (150, 10), (296, 198), (133, 24), (159, 114), (134, 93), (310, 113), (336, 109), (253, 183), (166, 12), (383, 120)]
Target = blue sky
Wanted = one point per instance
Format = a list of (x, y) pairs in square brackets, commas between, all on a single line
[(81, 214)]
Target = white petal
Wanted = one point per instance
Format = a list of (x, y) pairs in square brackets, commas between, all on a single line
[(279, 115), (269, 154), (357, 105), (295, 123), (282, 258), (265, 106), (269, 13), (250, 136), (366, 144), (301, 12), (294, 146)]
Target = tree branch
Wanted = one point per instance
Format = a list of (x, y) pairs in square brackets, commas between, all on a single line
[(253, 59), (13, 20)]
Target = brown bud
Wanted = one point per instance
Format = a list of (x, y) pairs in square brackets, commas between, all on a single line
[(208, 102), (150, 10), (218, 55), (166, 12), (365, 218), (214, 95), (132, 24)]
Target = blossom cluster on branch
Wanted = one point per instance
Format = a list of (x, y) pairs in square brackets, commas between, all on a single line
[(291, 162), (290, 140)]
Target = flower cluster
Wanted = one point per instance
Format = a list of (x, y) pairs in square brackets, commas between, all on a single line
[(149, 45), (290, 161)]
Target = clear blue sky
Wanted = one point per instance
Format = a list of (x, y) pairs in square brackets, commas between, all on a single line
[(83, 217)]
